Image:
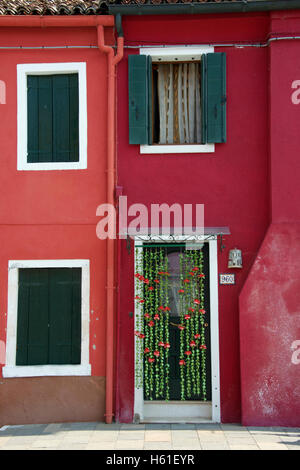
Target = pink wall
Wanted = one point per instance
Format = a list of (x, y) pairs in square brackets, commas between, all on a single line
[(52, 214), (270, 300), (284, 123), (232, 182), (269, 329)]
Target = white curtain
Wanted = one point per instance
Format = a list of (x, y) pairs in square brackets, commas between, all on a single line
[(179, 103)]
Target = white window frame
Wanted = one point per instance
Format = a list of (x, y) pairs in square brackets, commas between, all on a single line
[(172, 54), (11, 369), (23, 70)]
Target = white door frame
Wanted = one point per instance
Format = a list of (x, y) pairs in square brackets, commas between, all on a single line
[(214, 414)]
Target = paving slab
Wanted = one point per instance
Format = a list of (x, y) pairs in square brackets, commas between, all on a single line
[(74, 434), (104, 436), (129, 445), (187, 445), (158, 436), (4, 440), (131, 427), (213, 446), (243, 447), (184, 434), (183, 427), (75, 440), (270, 446), (208, 427), (242, 442), (158, 426), (21, 440), (231, 427), (100, 446), (16, 447), (46, 444), (131, 435), (267, 437), (158, 446), (30, 430), (53, 428), (290, 440), (205, 437)]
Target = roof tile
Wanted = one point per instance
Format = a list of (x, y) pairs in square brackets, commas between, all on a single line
[(80, 7), (53, 7)]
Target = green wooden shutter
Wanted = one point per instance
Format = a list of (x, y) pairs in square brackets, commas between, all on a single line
[(65, 118), (76, 316), (53, 118), (40, 112), (65, 315), (74, 117), (213, 97), (32, 324), (140, 99)]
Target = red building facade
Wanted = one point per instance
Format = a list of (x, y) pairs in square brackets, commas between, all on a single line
[(119, 329), (48, 224), (245, 185)]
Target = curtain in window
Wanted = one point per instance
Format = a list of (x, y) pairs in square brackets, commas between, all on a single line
[(179, 103)]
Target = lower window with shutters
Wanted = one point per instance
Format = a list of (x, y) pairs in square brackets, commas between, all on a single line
[(48, 318), (177, 100), (52, 120)]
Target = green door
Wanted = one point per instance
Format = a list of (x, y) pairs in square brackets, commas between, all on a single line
[(176, 329)]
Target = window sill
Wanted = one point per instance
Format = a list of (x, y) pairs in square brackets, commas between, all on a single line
[(46, 370), (52, 166), (162, 149)]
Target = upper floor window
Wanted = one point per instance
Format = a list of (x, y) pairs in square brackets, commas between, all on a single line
[(52, 111), (52, 116), (177, 99), (176, 103)]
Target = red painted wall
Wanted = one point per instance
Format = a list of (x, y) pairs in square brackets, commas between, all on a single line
[(52, 214), (232, 183), (284, 120), (270, 300), (270, 332)]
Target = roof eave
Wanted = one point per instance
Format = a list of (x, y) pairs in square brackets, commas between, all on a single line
[(245, 6)]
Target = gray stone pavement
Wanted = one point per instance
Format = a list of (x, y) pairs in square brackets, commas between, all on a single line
[(100, 436)]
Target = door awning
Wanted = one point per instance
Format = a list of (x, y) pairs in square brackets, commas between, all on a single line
[(174, 233)]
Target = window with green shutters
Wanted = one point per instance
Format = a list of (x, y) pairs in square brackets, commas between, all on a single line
[(49, 316), (177, 100), (53, 118)]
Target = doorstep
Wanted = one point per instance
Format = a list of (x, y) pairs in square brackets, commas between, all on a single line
[(181, 420), (157, 411)]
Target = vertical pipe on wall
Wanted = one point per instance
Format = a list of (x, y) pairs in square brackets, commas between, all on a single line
[(112, 62)]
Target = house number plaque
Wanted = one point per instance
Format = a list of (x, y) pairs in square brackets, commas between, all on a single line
[(227, 278)]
